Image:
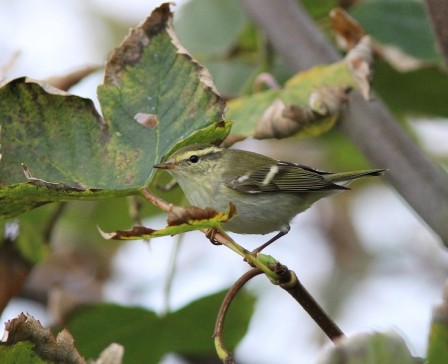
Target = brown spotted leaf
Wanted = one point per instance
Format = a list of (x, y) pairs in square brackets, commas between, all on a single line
[(155, 98)]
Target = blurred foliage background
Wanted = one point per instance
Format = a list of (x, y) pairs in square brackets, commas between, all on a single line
[(364, 254)]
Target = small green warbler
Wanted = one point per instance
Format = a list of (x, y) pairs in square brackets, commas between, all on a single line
[(267, 193)]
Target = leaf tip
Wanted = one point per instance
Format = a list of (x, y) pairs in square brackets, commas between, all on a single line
[(107, 236)]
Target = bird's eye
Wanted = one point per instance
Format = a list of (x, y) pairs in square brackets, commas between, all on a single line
[(194, 159)]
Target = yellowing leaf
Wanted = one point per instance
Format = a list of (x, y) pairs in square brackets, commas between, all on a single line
[(308, 104)]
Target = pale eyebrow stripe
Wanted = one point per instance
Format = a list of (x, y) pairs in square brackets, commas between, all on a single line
[(200, 153)]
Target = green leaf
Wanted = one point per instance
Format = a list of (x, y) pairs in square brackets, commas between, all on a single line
[(210, 26), (221, 37), (58, 136), (151, 73), (402, 23), (155, 99), (438, 344), (438, 338), (146, 337), (412, 93), (21, 352), (22, 197)]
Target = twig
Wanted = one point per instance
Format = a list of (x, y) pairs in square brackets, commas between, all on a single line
[(170, 275), (223, 353), (220, 237), (287, 280), (51, 223), (155, 200), (290, 283), (277, 274)]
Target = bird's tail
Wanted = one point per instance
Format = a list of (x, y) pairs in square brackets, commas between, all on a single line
[(344, 178)]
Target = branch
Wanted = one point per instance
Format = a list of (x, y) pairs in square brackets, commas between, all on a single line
[(277, 274), (291, 284), (287, 280), (219, 236), (52, 221), (371, 127), (223, 354)]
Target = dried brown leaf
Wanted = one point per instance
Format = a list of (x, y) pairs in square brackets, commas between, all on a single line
[(125, 234), (327, 101), (274, 123), (180, 220), (183, 215), (360, 60), (348, 31), (281, 121)]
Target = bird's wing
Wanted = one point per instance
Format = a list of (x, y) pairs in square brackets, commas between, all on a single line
[(282, 176)]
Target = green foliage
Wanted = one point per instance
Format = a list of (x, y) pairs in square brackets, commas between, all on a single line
[(210, 27), (57, 136), (403, 24), (19, 353), (147, 337), (438, 344), (75, 154), (412, 93), (220, 36), (438, 338)]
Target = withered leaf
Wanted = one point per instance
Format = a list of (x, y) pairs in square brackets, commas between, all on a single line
[(360, 60), (180, 220), (348, 31)]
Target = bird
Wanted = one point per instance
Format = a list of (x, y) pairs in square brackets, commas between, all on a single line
[(267, 193)]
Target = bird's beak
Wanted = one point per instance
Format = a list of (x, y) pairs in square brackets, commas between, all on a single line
[(166, 165)]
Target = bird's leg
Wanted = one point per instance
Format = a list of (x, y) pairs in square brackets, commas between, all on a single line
[(211, 236), (282, 232)]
